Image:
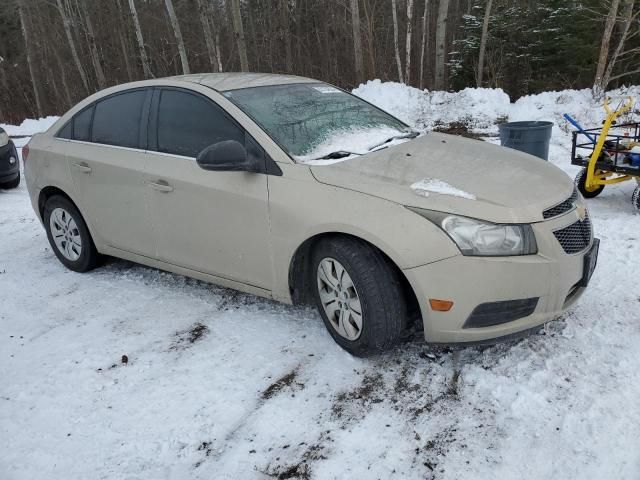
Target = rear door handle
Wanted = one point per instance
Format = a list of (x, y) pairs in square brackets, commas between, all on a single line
[(83, 167), (161, 186)]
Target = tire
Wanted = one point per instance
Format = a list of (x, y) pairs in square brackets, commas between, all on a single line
[(635, 198), (581, 183), (377, 290), (80, 254), (12, 184)]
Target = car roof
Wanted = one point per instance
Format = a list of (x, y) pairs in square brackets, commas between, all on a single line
[(235, 80)]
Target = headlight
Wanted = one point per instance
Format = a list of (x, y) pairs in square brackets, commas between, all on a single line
[(4, 138), (484, 239)]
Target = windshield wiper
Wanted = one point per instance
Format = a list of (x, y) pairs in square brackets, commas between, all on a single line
[(396, 137), (337, 154)]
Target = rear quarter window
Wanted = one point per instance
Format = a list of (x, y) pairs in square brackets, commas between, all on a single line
[(82, 125)]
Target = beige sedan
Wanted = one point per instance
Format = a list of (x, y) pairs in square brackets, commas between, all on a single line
[(292, 189)]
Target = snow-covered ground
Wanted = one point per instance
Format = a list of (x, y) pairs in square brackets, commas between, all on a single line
[(223, 385)]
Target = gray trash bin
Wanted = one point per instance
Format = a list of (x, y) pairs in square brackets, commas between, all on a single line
[(528, 137)]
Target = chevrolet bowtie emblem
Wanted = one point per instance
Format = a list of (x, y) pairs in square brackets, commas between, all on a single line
[(582, 212)]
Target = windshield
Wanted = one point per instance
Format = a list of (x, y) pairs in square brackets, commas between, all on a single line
[(315, 120)]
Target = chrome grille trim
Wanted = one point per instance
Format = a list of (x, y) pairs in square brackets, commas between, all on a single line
[(562, 207)]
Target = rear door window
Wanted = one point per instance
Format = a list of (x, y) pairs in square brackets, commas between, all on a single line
[(117, 119), (188, 123)]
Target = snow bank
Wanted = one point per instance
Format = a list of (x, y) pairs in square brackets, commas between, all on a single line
[(30, 126), (483, 109), (476, 107)]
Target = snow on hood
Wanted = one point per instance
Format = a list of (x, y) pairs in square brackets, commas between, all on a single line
[(357, 141), (433, 185)]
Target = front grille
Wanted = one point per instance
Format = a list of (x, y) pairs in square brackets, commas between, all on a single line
[(576, 237), (561, 208)]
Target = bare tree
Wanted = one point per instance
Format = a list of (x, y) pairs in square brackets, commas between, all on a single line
[(72, 44), (286, 35), (423, 43), (239, 34), (208, 34), (483, 42), (598, 87), (395, 41), (182, 51), (357, 40), (32, 70), (408, 43), (441, 46), (146, 67), (628, 17), (93, 47)]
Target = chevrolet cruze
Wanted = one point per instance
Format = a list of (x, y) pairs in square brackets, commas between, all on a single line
[(292, 189)]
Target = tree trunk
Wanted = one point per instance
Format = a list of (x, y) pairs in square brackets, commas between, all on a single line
[(408, 44), (371, 49), (423, 46), (286, 36), (483, 43), (598, 86), (441, 46), (32, 71), (63, 78), (357, 40), (146, 67), (238, 31), (182, 51), (208, 37), (93, 47), (72, 45), (628, 19), (395, 41)]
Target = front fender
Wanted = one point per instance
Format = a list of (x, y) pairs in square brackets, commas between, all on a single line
[(405, 237)]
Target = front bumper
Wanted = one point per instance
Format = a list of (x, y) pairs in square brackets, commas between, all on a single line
[(8, 171), (552, 276)]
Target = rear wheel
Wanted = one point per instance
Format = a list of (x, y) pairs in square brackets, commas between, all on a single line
[(68, 235), (581, 183), (12, 184), (359, 295)]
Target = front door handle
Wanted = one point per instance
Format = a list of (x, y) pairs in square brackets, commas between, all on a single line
[(83, 167), (161, 186)]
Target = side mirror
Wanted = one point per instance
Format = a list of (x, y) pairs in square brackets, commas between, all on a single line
[(226, 156)]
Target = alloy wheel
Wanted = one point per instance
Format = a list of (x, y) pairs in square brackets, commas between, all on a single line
[(339, 298), (66, 234)]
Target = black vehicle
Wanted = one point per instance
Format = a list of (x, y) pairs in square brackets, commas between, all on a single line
[(9, 163)]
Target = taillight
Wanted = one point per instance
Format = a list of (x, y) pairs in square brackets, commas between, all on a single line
[(25, 153)]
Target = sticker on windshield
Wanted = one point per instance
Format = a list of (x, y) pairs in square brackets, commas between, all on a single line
[(327, 89)]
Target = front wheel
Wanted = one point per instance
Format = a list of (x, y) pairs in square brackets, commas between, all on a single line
[(635, 198), (581, 183), (359, 295)]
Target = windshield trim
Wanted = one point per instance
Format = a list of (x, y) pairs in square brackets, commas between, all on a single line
[(257, 124)]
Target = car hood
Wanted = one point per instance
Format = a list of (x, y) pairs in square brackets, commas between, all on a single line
[(480, 180)]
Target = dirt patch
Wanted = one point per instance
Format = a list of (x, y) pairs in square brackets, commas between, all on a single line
[(367, 393), (189, 336), (283, 382), (302, 468), (457, 128)]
